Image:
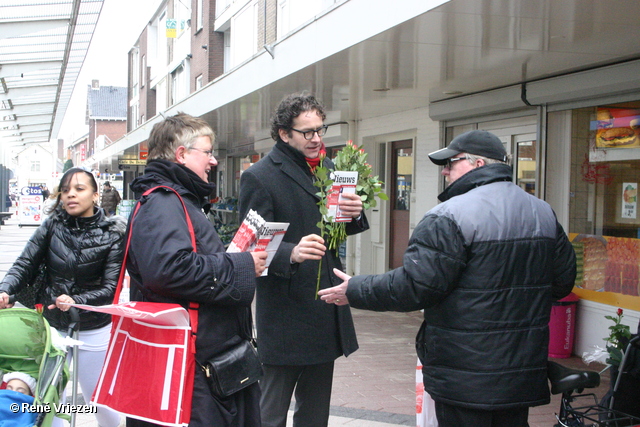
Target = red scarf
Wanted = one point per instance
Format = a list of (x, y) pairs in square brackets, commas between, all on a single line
[(313, 163)]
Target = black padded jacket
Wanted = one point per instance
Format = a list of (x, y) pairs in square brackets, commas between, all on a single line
[(83, 256), (485, 266)]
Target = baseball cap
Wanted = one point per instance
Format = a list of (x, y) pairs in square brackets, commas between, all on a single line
[(27, 379), (477, 142)]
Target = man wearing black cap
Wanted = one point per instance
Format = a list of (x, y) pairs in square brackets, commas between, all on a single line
[(485, 265)]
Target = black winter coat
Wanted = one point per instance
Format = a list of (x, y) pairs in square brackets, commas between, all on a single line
[(295, 328), (164, 268), (83, 256), (485, 266), (110, 199)]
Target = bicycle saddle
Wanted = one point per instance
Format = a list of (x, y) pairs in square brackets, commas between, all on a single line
[(565, 379)]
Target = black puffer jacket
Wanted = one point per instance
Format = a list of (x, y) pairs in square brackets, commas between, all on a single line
[(83, 256), (485, 266)]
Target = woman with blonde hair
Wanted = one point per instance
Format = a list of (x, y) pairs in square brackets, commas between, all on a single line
[(164, 267)]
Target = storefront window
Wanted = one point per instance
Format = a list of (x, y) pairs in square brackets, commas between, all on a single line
[(604, 220), (526, 166), (241, 164)]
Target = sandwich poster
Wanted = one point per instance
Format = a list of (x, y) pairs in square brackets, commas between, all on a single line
[(617, 128), (629, 199)]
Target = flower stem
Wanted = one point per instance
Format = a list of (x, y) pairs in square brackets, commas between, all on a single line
[(318, 281), (319, 264)]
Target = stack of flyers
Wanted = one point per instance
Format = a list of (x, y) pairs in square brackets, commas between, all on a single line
[(247, 232), (343, 182), (256, 234)]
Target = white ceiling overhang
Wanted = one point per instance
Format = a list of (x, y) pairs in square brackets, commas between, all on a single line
[(43, 44)]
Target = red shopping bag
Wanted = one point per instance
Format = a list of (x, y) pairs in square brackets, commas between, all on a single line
[(149, 368)]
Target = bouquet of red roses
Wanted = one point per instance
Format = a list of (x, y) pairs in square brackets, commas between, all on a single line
[(368, 187)]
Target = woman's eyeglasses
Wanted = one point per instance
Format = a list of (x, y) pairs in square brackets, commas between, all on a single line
[(207, 152), (308, 134)]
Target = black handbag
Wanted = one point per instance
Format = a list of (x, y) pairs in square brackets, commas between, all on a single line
[(30, 294), (234, 369)]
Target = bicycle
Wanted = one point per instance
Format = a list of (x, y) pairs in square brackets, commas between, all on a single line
[(578, 409)]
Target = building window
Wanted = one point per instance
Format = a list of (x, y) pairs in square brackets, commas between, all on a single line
[(161, 41), (143, 71), (293, 13), (35, 166), (135, 71), (244, 40), (161, 95), (179, 83), (134, 115), (221, 6), (199, 17), (226, 53), (525, 165), (182, 14)]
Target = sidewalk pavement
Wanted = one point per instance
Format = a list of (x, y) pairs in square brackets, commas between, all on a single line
[(375, 386)]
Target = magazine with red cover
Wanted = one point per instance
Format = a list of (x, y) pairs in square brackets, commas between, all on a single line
[(247, 232), (343, 182), (256, 234), (269, 238)]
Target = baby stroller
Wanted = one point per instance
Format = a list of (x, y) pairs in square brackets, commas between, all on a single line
[(26, 346)]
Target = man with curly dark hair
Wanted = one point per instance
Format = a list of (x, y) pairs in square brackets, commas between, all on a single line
[(299, 336)]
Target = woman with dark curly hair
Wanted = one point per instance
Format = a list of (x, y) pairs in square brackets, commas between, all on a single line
[(81, 249)]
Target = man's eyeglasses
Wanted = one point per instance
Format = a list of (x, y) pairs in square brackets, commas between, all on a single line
[(451, 161), (308, 134), (207, 152)]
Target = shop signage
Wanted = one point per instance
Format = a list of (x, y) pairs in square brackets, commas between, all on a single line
[(134, 162), (171, 28)]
